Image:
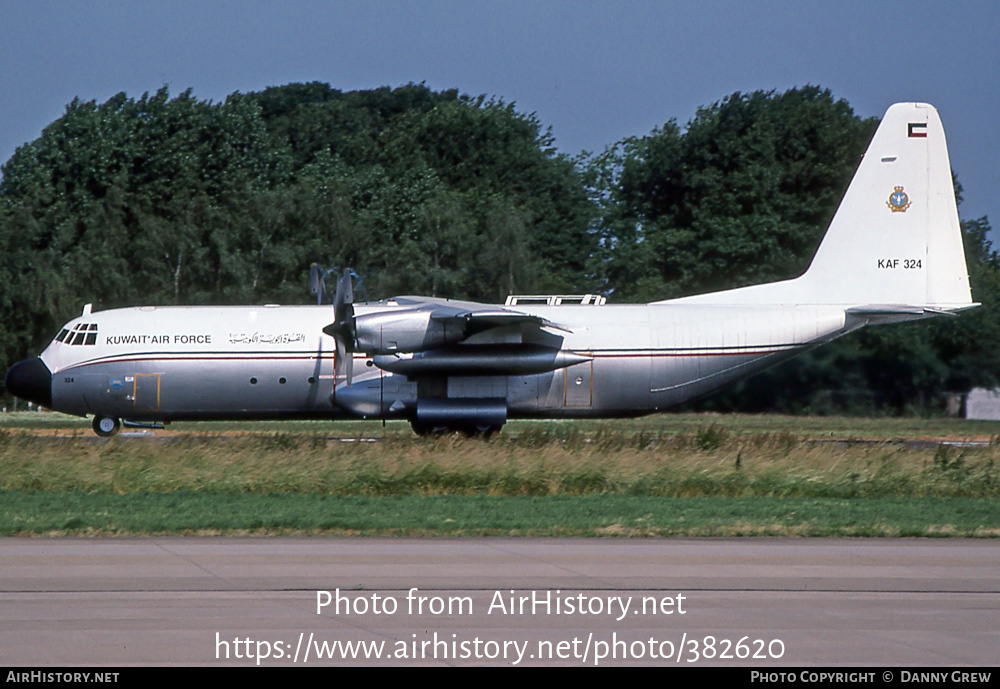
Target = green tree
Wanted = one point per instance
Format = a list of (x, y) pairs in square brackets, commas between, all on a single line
[(741, 196), (173, 200)]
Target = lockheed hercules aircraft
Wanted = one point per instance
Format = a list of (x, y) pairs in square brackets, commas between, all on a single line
[(893, 252)]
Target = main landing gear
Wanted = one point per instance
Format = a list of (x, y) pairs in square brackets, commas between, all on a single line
[(106, 426), (469, 430)]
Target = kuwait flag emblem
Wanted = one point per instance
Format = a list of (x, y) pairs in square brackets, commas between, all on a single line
[(916, 130)]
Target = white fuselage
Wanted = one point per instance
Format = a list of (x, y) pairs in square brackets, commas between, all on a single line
[(166, 363)]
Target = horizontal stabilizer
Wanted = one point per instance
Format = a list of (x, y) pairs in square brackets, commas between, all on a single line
[(906, 311)]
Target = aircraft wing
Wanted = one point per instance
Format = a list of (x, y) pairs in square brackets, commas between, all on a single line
[(477, 317), (416, 324), (480, 320)]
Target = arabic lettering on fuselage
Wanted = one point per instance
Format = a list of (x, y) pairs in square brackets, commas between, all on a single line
[(266, 338)]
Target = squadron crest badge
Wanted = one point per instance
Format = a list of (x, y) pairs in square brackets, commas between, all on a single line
[(898, 201)]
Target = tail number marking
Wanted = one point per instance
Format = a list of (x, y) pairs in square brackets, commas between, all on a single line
[(904, 263)]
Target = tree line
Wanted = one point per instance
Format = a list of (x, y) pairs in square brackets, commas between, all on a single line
[(175, 200)]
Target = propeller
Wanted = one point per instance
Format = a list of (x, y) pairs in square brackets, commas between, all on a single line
[(317, 288), (343, 329)]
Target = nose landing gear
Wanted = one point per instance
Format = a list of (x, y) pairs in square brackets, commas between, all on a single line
[(106, 426)]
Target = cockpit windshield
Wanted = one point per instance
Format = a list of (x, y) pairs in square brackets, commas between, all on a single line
[(80, 334)]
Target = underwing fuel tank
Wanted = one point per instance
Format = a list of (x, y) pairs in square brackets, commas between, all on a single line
[(480, 360)]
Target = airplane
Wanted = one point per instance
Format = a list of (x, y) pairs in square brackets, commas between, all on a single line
[(893, 252)]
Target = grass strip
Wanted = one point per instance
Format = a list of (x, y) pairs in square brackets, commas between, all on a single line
[(663, 476), (709, 464), (76, 513)]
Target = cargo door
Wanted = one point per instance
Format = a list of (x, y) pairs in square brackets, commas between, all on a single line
[(146, 392)]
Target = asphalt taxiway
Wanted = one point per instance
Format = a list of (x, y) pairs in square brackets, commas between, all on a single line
[(686, 602)]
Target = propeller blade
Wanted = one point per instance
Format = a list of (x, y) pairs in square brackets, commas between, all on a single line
[(316, 286), (343, 302), (343, 329), (340, 372)]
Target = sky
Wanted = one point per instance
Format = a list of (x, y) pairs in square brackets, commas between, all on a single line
[(594, 72)]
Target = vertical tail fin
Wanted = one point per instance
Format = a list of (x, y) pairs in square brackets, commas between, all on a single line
[(895, 239)]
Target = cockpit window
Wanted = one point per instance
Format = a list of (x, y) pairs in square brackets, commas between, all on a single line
[(80, 334)]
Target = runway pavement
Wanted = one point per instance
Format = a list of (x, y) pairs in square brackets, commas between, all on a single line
[(684, 602)]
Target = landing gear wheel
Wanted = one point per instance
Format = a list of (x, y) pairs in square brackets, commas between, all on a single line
[(470, 430), (106, 426), (479, 430), (424, 429), (488, 431)]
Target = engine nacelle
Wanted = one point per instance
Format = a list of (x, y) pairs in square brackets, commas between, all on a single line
[(412, 330)]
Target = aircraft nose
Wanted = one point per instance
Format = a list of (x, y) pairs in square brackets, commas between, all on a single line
[(30, 380)]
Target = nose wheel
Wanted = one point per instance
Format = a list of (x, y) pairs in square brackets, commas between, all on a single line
[(106, 426)]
